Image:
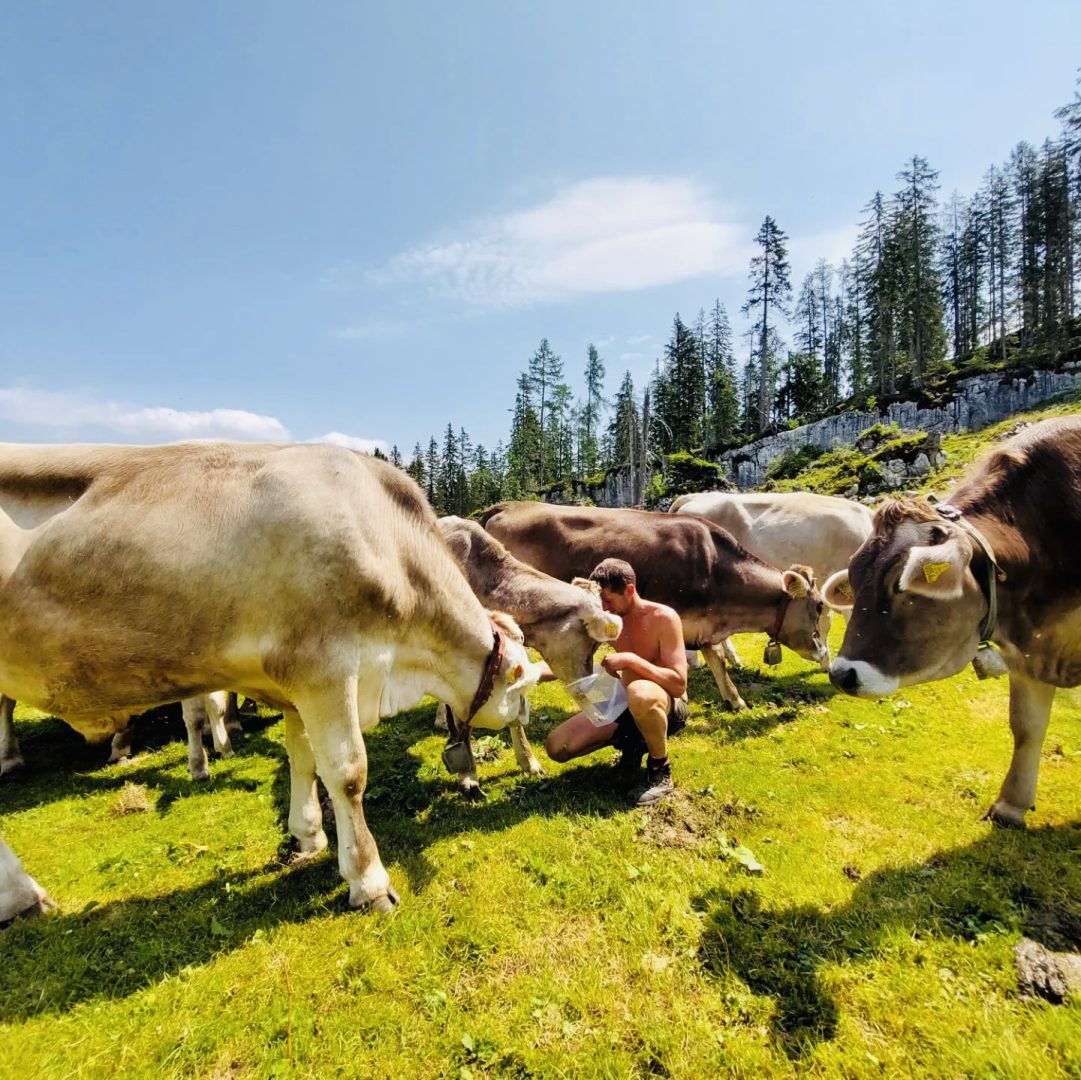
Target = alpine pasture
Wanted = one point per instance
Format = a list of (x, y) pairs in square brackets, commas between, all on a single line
[(822, 898)]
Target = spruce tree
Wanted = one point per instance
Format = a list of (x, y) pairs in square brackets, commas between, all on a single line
[(767, 300), (722, 427)]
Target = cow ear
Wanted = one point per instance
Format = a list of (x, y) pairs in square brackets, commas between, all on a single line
[(795, 584), (937, 571), (523, 674), (837, 592), (587, 585), (604, 626)]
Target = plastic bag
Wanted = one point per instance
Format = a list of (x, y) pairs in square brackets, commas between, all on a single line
[(602, 697)]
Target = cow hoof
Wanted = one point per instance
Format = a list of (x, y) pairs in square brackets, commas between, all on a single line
[(228, 753), (472, 791), (737, 705), (201, 777), (12, 765), (384, 904), (1005, 817)]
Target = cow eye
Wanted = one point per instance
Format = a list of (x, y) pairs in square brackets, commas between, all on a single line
[(819, 607)]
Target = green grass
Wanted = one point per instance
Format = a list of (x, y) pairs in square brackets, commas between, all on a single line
[(547, 931)]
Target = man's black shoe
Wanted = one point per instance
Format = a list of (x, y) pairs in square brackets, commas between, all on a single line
[(656, 786)]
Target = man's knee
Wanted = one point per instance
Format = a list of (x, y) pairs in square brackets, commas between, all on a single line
[(646, 700), (555, 746)]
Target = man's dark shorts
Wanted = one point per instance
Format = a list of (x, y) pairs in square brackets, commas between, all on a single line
[(628, 738)]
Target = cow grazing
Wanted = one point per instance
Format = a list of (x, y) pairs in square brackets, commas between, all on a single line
[(820, 531), (564, 623), (20, 894), (211, 711), (695, 567), (998, 563), (309, 577)]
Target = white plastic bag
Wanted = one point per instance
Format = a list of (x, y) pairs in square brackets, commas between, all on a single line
[(602, 697)]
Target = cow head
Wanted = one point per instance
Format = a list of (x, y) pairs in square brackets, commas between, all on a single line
[(569, 639), (515, 677), (914, 608), (799, 628)]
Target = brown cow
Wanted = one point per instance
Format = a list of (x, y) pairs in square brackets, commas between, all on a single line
[(997, 563), (695, 567)]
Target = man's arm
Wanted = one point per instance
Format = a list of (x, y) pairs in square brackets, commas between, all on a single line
[(671, 673)]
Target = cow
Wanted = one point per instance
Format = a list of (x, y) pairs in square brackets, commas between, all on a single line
[(821, 531), (20, 894), (695, 567), (937, 584), (564, 623), (213, 711), (310, 577)]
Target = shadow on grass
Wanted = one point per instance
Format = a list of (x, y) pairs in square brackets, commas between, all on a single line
[(1005, 883), (772, 699), (107, 952), (60, 763)]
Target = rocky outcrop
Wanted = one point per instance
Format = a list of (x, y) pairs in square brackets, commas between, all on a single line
[(979, 401)]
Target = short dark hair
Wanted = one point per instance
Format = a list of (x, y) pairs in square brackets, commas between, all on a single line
[(614, 575)]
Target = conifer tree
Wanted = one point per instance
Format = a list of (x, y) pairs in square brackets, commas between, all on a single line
[(767, 300), (416, 468), (679, 396), (722, 384), (623, 430), (591, 412)]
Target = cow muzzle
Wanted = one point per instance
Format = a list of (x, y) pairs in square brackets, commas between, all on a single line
[(860, 679)]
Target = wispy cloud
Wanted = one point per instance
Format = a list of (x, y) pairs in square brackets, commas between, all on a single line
[(639, 339), (68, 412), (597, 236), (352, 442)]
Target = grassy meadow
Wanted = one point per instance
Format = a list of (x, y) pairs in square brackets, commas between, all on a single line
[(548, 931)]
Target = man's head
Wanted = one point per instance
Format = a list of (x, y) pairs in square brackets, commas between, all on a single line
[(618, 585)]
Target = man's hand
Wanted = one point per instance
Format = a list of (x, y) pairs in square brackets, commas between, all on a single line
[(616, 662)]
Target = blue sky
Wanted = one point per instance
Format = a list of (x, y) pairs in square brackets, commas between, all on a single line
[(274, 220)]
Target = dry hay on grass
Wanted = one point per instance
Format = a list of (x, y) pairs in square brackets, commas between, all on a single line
[(680, 821), (131, 799)]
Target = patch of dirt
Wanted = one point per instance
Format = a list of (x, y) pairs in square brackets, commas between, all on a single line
[(681, 821)]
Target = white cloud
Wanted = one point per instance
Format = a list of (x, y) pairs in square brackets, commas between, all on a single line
[(68, 411), (597, 236), (352, 442), (639, 339)]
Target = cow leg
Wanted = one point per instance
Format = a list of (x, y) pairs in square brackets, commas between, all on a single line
[(216, 705), (523, 752), (694, 658), (1030, 711), (714, 655), (305, 813), (10, 756), (20, 894), (123, 741), (730, 654), (232, 713), (194, 712), (334, 730), (441, 717)]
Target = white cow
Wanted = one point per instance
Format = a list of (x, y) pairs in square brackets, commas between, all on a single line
[(820, 531), (307, 576), (211, 711), (20, 894)]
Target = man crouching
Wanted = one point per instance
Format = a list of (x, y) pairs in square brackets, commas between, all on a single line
[(651, 662)]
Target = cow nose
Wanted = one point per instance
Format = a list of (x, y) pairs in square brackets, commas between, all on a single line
[(844, 677)]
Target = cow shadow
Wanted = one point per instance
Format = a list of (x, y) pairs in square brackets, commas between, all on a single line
[(1000, 885), (773, 700), (60, 763)]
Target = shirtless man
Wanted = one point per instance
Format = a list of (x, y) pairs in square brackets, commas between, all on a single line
[(651, 662)]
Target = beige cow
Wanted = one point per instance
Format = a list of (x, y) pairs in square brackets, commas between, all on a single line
[(309, 577), (563, 622), (20, 894)]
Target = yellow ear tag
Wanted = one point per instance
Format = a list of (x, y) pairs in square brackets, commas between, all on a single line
[(932, 571), (845, 589), (515, 674), (611, 629)]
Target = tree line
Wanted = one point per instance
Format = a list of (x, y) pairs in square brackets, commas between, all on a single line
[(929, 288)]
